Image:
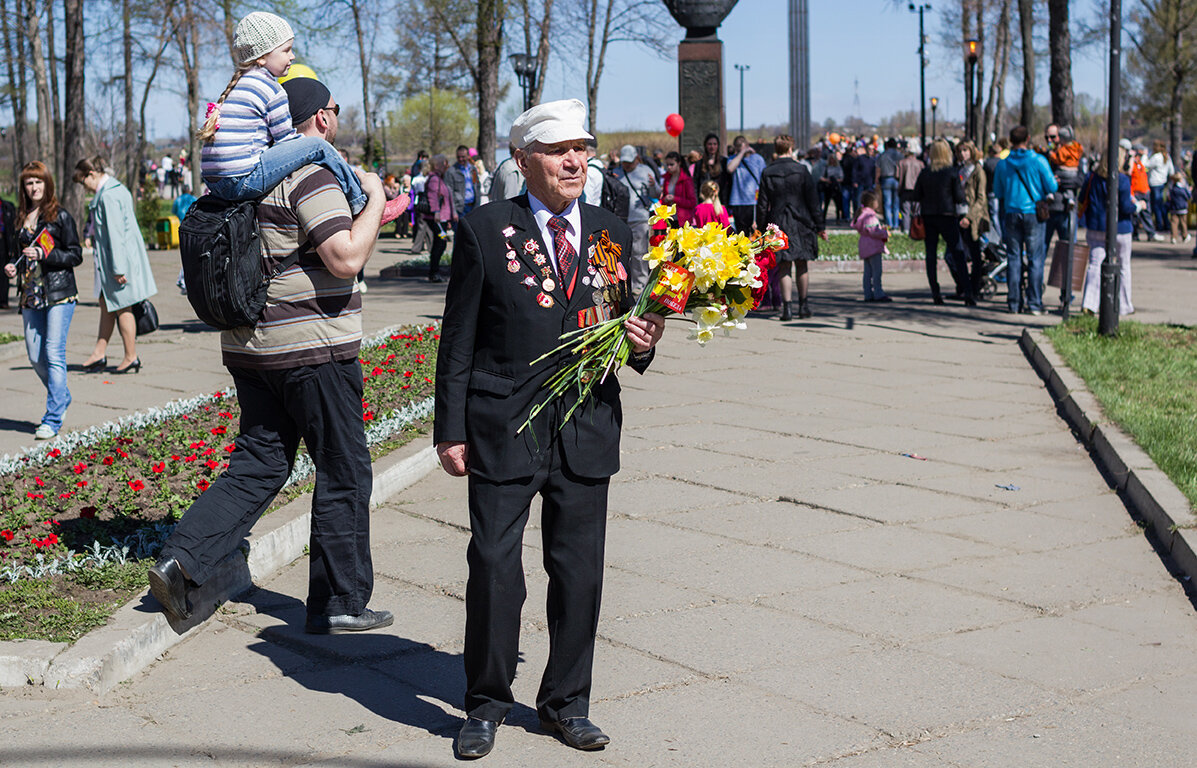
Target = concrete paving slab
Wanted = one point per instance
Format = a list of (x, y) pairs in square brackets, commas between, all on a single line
[(895, 549), (892, 503), (1030, 530), (770, 523), (895, 609)]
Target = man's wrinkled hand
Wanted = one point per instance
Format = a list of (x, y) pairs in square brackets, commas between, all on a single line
[(453, 456), (645, 331)]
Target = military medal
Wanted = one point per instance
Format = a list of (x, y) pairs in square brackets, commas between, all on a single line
[(531, 246), (530, 281), (513, 266), (585, 279), (548, 284), (508, 231), (544, 300), (511, 255)]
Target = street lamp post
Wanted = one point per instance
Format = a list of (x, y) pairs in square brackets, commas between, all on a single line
[(1108, 309), (524, 65), (921, 7), (970, 125), (384, 145), (934, 106), (742, 68)]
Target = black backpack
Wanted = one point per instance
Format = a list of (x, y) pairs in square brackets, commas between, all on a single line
[(223, 268), (615, 197)]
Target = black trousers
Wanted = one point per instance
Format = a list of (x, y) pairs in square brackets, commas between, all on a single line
[(743, 217), (322, 405), (574, 526), (436, 251), (947, 226)]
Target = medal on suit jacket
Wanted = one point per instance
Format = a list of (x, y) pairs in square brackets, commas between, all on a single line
[(532, 248), (604, 256)]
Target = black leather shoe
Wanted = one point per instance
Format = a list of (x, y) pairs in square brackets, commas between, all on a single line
[(578, 732), (169, 586), (334, 625), (96, 366), (477, 738)]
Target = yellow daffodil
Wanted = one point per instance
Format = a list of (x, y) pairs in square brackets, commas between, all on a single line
[(702, 335), (662, 213)]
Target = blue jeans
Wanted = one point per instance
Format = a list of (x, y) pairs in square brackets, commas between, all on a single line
[(995, 219), (45, 342), (872, 278), (889, 199), (1019, 231), (1159, 212), (285, 158)]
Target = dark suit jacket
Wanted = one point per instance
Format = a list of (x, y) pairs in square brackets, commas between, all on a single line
[(494, 327)]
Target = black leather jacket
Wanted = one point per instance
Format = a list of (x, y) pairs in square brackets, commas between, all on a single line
[(59, 265)]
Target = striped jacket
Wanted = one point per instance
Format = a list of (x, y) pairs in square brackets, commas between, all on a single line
[(254, 116)]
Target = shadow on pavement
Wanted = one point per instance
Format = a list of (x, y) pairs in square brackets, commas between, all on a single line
[(167, 754)]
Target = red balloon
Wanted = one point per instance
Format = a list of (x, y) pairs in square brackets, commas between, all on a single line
[(674, 124)]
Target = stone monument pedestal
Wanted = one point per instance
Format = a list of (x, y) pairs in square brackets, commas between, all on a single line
[(700, 92)]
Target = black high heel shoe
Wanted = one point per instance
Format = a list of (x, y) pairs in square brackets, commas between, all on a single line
[(133, 367), (97, 366)]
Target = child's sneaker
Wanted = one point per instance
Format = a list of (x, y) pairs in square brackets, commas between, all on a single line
[(395, 208)]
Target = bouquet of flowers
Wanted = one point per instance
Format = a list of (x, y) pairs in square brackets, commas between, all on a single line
[(713, 276)]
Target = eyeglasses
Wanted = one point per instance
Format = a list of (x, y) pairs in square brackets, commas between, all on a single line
[(335, 109), (1052, 137)]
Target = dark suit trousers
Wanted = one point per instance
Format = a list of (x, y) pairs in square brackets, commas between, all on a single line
[(322, 404), (574, 523)]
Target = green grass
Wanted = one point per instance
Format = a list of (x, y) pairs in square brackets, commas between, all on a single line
[(842, 246), (8, 338), (1146, 381), (65, 608)]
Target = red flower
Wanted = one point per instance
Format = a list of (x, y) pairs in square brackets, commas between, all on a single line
[(408, 374), (7, 534), (219, 394), (92, 456), (137, 485), (189, 459), (175, 457), (66, 495), (54, 454), (225, 415), (39, 482), (79, 468), (377, 371), (123, 455), (197, 444), (208, 452), (219, 430), (230, 447), (32, 495), (159, 467), (368, 416), (51, 539), (81, 484), (107, 461), (186, 417), (657, 239), (202, 485), (87, 513), (211, 464)]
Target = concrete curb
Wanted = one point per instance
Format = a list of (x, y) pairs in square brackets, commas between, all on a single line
[(138, 633), (1146, 489)]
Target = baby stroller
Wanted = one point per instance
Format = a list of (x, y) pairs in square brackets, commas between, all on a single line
[(993, 268)]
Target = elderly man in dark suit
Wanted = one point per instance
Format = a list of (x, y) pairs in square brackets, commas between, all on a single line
[(526, 270)]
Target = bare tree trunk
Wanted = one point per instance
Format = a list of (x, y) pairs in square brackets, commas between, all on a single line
[(16, 94), (229, 26), (186, 36), (1026, 24), (364, 63), (45, 116), (132, 170), (542, 51), (163, 43), (595, 60), (74, 126), (52, 64), (1060, 80), (490, 50), (1001, 55)]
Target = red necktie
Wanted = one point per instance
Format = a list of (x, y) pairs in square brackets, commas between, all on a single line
[(566, 255)]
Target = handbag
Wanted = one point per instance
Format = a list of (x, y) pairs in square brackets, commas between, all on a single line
[(918, 230), (145, 316), (1043, 211)]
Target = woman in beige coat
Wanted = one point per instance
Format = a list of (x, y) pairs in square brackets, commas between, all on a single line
[(974, 220)]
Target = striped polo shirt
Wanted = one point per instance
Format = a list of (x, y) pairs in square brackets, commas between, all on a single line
[(311, 317), (254, 116)]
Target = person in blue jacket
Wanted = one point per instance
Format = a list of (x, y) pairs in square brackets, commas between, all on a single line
[(1019, 183), (1091, 205)]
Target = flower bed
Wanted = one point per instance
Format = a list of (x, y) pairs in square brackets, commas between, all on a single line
[(97, 499)]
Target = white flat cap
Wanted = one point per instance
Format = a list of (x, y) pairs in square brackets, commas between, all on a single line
[(550, 123)]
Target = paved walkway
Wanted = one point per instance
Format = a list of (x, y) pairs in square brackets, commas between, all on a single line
[(784, 586)]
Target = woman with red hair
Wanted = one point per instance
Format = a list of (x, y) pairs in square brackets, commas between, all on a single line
[(45, 267)]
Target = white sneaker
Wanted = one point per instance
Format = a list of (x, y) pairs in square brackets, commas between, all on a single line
[(1157, 238), (44, 432), (1187, 238), (361, 287)]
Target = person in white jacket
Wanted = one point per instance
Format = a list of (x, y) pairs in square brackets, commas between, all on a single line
[(1159, 169)]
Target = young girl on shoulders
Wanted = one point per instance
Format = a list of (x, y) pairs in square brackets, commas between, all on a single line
[(871, 246), (250, 145), (710, 209)]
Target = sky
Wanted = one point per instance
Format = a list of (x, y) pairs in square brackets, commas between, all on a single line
[(859, 48)]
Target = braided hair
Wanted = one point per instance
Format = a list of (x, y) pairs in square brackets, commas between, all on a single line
[(212, 119)]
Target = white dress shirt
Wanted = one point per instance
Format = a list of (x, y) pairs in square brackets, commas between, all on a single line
[(573, 230)]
